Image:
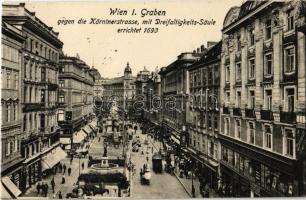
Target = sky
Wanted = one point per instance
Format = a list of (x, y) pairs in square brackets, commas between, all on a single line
[(109, 51)]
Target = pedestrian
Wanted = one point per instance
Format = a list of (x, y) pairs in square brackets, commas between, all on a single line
[(60, 167), (46, 189), (38, 187), (193, 191), (71, 159), (60, 196), (82, 165), (63, 179), (69, 171), (64, 168), (53, 184)]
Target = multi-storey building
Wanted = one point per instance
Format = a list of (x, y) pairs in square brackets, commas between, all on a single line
[(11, 159), (98, 87), (141, 81), (75, 99), (174, 92), (121, 89), (152, 97), (140, 84), (263, 97), (39, 74), (204, 113)]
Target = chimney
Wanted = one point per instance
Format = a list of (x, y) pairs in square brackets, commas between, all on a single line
[(211, 43), (202, 48), (194, 51), (198, 50)]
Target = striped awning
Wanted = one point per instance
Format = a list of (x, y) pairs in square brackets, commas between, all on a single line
[(79, 137), (65, 140), (52, 158), (87, 129)]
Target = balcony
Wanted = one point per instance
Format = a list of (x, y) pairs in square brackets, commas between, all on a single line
[(266, 115), (29, 107), (225, 110), (250, 113), (237, 112), (288, 117)]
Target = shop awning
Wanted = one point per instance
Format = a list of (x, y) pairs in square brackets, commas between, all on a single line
[(93, 125), (175, 139), (11, 186), (79, 137), (65, 140), (87, 129), (4, 194), (52, 158)]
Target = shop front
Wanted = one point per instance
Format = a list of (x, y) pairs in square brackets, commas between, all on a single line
[(234, 185), (31, 173), (248, 175), (205, 168)]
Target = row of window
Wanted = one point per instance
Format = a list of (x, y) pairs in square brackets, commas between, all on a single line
[(212, 122), (204, 76), (289, 66), (30, 121), (267, 136), (32, 149), (11, 112), (204, 145), (12, 145), (289, 22), (40, 49), (31, 95), (32, 71), (289, 99), (10, 79), (10, 53)]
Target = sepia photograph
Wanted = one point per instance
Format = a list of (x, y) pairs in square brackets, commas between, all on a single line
[(154, 99)]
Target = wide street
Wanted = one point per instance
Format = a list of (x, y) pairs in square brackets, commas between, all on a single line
[(161, 185)]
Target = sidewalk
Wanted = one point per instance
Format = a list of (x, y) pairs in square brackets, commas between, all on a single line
[(64, 188), (187, 184)]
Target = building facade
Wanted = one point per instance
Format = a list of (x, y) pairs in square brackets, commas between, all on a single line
[(39, 73), (153, 100), (11, 127), (75, 98), (141, 81), (174, 92), (121, 89), (263, 98), (204, 116)]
